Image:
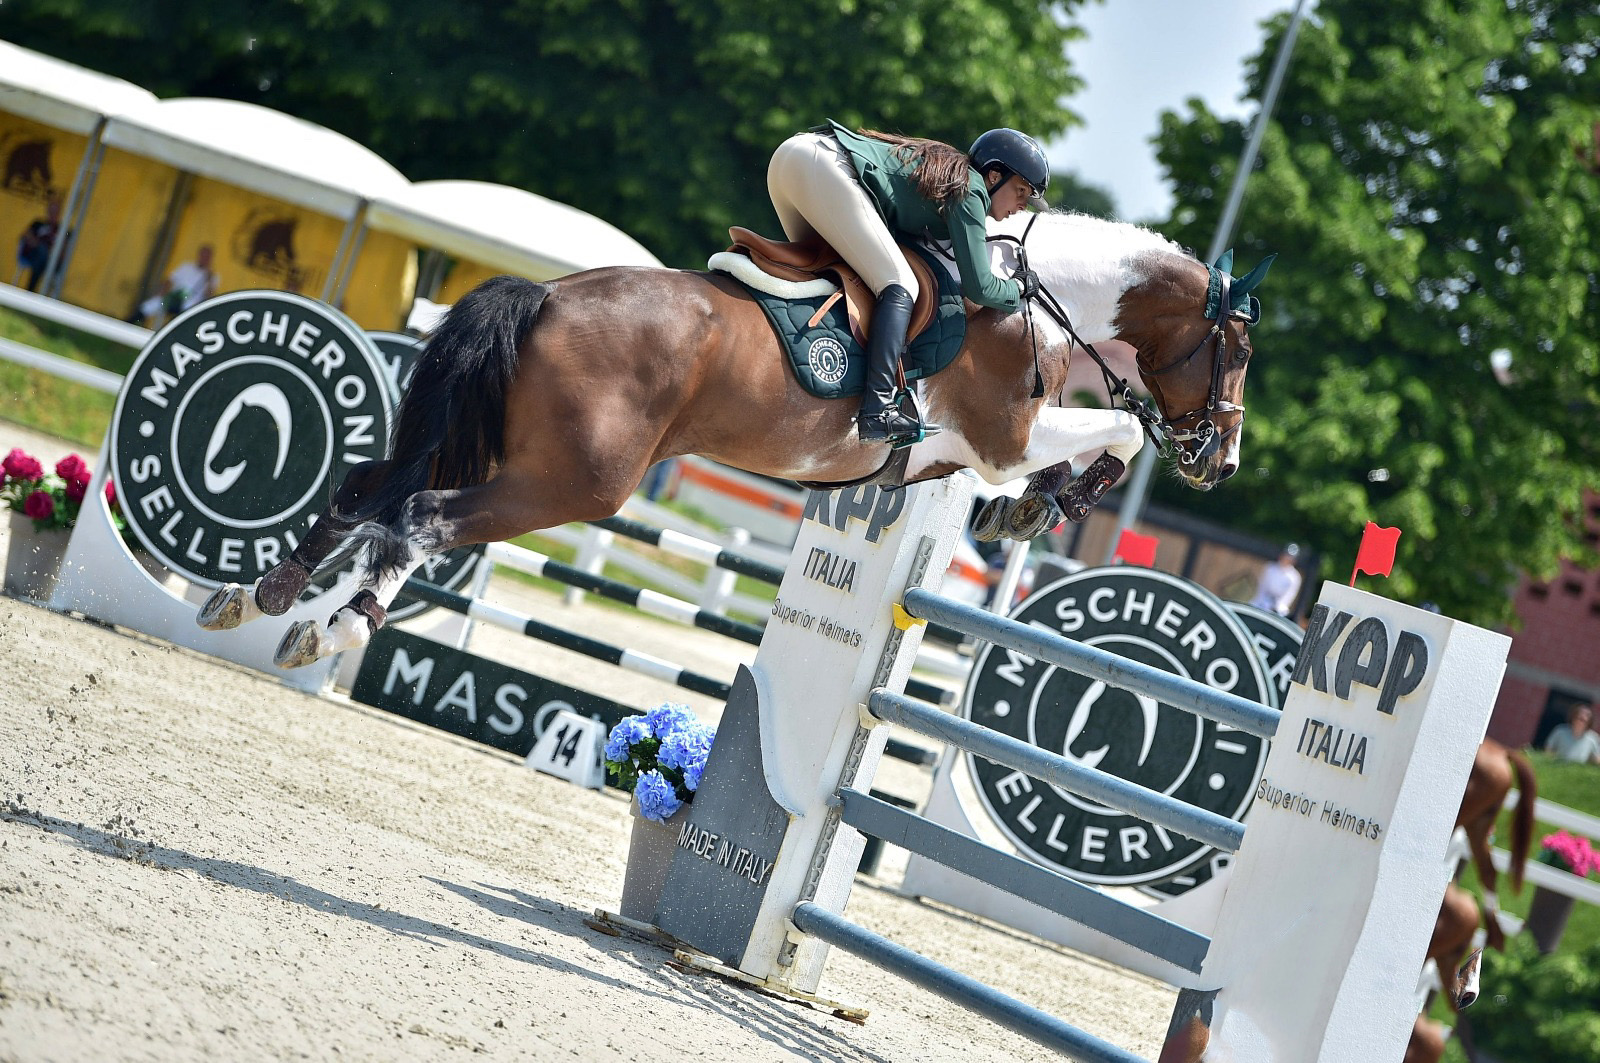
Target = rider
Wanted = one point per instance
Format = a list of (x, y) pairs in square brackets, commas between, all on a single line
[(858, 190)]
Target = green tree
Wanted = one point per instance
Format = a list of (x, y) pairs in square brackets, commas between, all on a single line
[(658, 115), (1431, 180)]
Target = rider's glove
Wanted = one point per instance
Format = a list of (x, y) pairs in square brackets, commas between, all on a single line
[(1029, 282)]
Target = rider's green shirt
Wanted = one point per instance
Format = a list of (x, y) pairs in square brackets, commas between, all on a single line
[(891, 184)]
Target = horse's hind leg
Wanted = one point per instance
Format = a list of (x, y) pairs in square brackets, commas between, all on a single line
[(434, 522), (276, 592)]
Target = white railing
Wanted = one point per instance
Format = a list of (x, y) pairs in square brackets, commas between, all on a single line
[(74, 317), (1542, 874), (66, 368)]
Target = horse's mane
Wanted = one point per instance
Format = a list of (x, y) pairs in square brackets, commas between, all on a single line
[(1081, 251), (1062, 232)]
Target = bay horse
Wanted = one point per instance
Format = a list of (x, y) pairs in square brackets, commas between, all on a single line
[(534, 405)]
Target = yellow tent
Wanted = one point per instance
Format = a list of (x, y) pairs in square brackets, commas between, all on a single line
[(51, 117), (485, 229), (277, 199)]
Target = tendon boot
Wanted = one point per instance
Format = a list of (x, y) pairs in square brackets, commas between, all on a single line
[(881, 418)]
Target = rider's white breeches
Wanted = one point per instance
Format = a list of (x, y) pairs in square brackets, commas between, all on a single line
[(815, 191)]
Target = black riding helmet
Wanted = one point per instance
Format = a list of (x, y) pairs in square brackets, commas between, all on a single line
[(1012, 152)]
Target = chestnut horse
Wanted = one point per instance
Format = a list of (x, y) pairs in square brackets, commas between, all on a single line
[(538, 404), (1493, 769)]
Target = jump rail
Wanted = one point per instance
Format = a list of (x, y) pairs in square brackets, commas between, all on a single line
[(687, 546), (953, 985), (654, 603), (629, 660), (1186, 819), (1097, 664)]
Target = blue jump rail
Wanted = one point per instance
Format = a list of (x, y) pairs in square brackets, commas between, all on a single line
[(1045, 645), (954, 986), (1141, 801), (1050, 890)]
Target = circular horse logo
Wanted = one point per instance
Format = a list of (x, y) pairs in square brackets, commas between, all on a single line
[(1158, 620), (1277, 640), (827, 361), (233, 425)]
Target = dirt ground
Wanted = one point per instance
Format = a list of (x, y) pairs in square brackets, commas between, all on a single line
[(198, 863)]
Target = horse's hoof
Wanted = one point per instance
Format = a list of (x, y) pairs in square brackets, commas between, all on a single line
[(277, 591), (1032, 516), (227, 608), (301, 645), (991, 522)]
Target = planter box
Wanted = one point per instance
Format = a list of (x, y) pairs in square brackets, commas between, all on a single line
[(33, 558)]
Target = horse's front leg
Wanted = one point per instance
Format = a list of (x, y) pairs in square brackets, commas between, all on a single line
[(1052, 495)]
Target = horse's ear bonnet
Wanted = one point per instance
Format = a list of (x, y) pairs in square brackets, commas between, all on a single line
[(1241, 303)]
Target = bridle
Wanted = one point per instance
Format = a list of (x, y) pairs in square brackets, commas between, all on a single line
[(1203, 432)]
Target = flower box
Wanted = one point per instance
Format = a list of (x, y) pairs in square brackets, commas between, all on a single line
[(658, 757), (43, 507), (33, 558)]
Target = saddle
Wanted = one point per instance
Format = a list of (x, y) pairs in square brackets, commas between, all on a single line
[(814, 259)]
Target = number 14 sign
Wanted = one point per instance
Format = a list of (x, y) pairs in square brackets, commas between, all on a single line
[(570, 748)]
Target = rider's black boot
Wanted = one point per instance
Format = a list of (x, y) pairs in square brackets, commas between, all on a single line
[(881, 418)]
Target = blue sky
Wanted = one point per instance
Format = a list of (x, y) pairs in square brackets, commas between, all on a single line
[(1142, 57)]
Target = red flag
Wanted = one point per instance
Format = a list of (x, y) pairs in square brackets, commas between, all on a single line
[(1136, 549), (1376, 556)]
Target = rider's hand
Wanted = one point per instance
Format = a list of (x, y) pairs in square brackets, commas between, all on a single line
[(1029, 282)]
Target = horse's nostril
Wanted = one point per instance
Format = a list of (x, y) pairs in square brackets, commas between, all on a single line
[(1228, 469)]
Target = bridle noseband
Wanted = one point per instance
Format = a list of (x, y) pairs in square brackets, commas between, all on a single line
[(1204, 430)]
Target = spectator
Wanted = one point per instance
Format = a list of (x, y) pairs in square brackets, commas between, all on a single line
[(1575, 740), (189, 284), (33, 249), (1279, 585)]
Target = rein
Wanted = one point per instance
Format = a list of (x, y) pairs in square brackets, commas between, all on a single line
[(1118, 389)]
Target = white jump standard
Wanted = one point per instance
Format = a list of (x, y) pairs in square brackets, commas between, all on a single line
[(1334, 886)]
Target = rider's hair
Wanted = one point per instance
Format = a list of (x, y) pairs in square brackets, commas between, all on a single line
[(942, 171)]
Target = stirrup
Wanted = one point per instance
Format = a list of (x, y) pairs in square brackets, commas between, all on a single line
[(873, 429), (902, 399)]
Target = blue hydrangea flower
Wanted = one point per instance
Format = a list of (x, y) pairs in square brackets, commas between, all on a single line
[(686, 749), (657, 798), (664, 719), (624, 735)]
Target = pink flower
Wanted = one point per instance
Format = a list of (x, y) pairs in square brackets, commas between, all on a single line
[(111, 495), (39, 505), (21, 466), (1573, 852), (75, 490), (74, 470)]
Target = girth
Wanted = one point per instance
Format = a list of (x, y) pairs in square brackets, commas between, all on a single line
[(815, 258)]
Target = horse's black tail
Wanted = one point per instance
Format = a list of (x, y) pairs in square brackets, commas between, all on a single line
[(449, 431)]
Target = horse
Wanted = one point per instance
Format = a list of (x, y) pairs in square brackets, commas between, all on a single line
[(538, 404), (1493, 768), (1449, 947), (1456, 964)]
